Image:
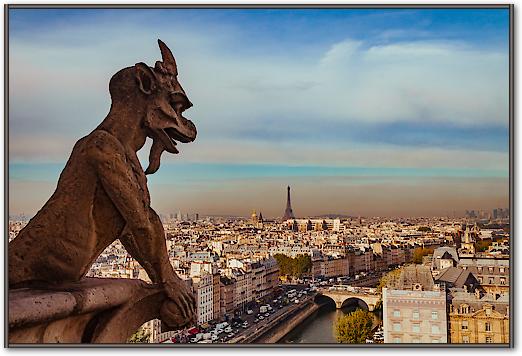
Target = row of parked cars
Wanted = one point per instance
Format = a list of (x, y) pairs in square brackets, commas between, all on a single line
[(225, 331), (220, 333), (295, 296)]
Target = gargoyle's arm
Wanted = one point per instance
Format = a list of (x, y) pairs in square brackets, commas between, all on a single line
[(143, 235)]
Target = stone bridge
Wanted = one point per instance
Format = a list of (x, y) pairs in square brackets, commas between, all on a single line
[(342, 294)]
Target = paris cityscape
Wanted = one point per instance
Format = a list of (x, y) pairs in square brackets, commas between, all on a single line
[(451, 281), (342, 176)]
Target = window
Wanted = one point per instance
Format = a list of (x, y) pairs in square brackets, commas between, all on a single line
[(415, 328), (416, 315), (396, 313), (489, 340), (480, 280), (465, 339), (490, 269), (464, 325), (434, 315), (396, 326), (502, 269), (480, 269), (435, 329), (488, 326), (502, 281)]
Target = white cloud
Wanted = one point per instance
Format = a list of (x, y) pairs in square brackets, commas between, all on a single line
[(59, 87)]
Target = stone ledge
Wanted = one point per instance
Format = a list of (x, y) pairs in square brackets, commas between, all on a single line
[(94, 310)]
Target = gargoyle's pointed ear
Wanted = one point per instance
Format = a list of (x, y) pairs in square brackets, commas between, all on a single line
[(168, 59), (145, 78)]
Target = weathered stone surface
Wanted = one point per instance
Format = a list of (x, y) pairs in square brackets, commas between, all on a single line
[(102, 195), (94, 310), (28, 306)]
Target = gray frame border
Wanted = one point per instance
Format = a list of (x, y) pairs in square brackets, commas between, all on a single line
[(509, 7)]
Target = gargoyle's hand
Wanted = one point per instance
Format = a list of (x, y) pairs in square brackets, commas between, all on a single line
[(179, 310)]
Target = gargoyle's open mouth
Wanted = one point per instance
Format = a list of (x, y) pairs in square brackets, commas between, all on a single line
[(185, 135), (184, 131)]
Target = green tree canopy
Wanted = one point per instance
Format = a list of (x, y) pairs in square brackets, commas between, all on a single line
[(389, 280), (354, 328), (139, 337), (297, 267), (419, 253), (482, 245)]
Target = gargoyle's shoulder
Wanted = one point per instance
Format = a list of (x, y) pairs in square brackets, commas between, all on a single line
[(100, 143)]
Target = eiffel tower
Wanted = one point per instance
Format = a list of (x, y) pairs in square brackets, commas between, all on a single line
[(289, 214)]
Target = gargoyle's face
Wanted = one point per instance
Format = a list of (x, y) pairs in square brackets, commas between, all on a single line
[(169, 104), (166, 102)]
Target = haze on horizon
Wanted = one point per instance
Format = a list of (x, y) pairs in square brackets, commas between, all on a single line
[(362, 112)]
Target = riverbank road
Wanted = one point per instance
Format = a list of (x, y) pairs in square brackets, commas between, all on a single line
[(271, 319)]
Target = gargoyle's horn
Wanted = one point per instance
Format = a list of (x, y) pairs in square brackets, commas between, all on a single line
[(168, 59)]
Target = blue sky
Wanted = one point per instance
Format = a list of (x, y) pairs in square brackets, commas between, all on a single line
[(341, 102)]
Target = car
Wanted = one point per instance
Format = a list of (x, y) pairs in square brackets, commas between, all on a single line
[(256, 320), (296, 301), (228, 329), (261, 317), (267, 315), (250, 311)]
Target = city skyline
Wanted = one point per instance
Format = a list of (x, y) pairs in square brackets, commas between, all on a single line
[(405, 112)]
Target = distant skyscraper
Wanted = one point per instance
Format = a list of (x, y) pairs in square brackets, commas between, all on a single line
[(289, 214)]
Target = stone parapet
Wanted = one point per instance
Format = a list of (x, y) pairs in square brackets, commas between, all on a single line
[(93, 310)]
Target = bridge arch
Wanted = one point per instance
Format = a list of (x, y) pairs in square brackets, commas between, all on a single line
[(365, 300), (355, 300), (325, 299)]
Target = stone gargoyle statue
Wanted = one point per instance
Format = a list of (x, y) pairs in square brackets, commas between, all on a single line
[(102, 193)]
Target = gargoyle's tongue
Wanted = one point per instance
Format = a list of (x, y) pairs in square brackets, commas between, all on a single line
[(158, 146), (155, 157)]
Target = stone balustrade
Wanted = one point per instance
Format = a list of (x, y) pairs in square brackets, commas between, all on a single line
[(94, 310)]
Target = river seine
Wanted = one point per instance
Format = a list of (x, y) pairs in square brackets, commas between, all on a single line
[(318, 328)]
